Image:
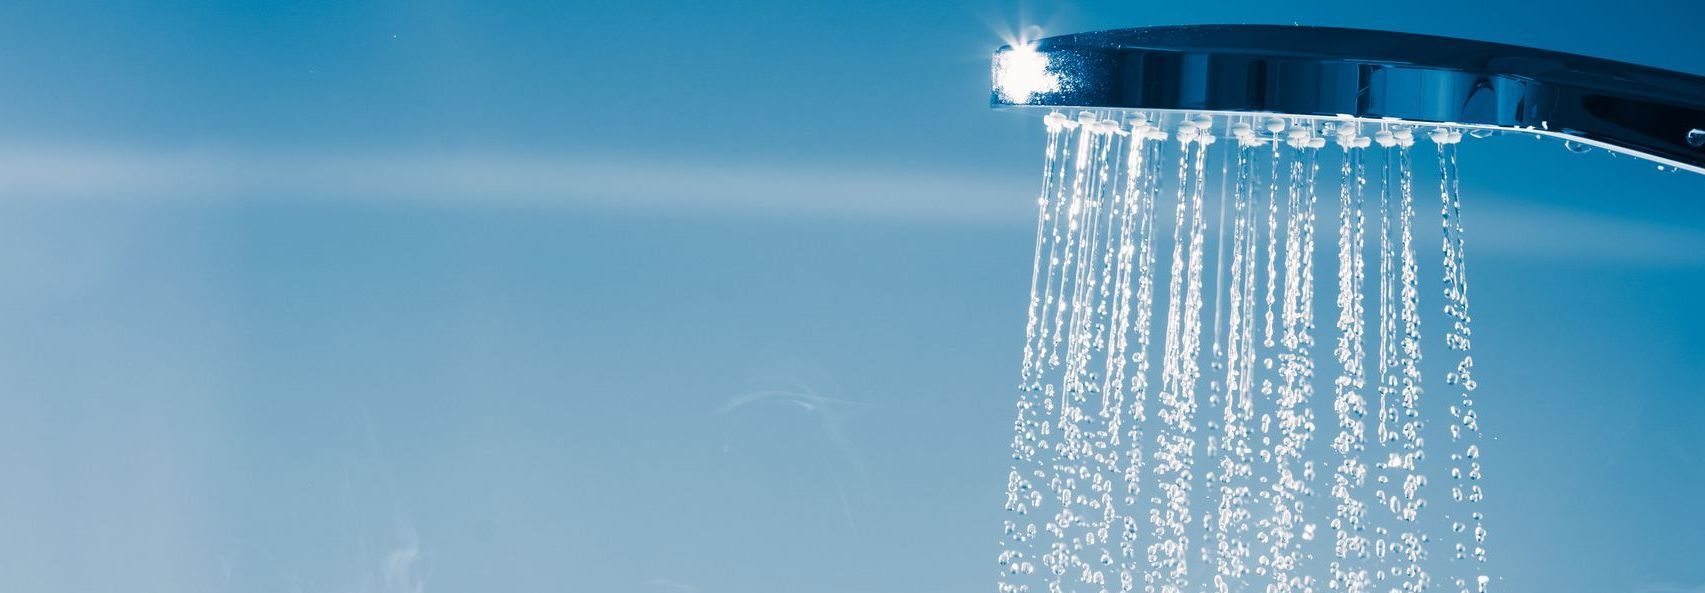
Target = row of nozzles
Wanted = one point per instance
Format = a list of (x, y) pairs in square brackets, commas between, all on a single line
[(1254, 131)]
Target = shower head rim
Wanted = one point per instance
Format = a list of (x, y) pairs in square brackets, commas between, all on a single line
[(1370, 75)]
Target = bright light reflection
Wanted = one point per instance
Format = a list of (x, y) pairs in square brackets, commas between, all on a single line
[(1021, 72)]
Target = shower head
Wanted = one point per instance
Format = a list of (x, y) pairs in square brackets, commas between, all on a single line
[(1371, 75)]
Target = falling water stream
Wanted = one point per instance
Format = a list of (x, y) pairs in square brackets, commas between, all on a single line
[(1185, 423)]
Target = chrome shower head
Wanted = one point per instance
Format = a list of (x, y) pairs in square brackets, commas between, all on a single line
[(1372, 75)]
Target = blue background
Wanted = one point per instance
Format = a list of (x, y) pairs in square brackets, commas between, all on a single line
[(685, 297)]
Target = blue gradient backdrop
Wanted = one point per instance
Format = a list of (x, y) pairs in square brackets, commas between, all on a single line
[(685, 297)]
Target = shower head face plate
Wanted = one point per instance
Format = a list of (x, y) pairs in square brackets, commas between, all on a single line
[(1364, 75)]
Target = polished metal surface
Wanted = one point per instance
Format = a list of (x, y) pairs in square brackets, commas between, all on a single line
[(1321, 71)]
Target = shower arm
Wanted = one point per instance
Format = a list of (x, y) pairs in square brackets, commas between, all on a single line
[(1331, 72)]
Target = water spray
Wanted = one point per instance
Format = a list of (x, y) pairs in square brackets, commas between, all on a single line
[(1170, 441)]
